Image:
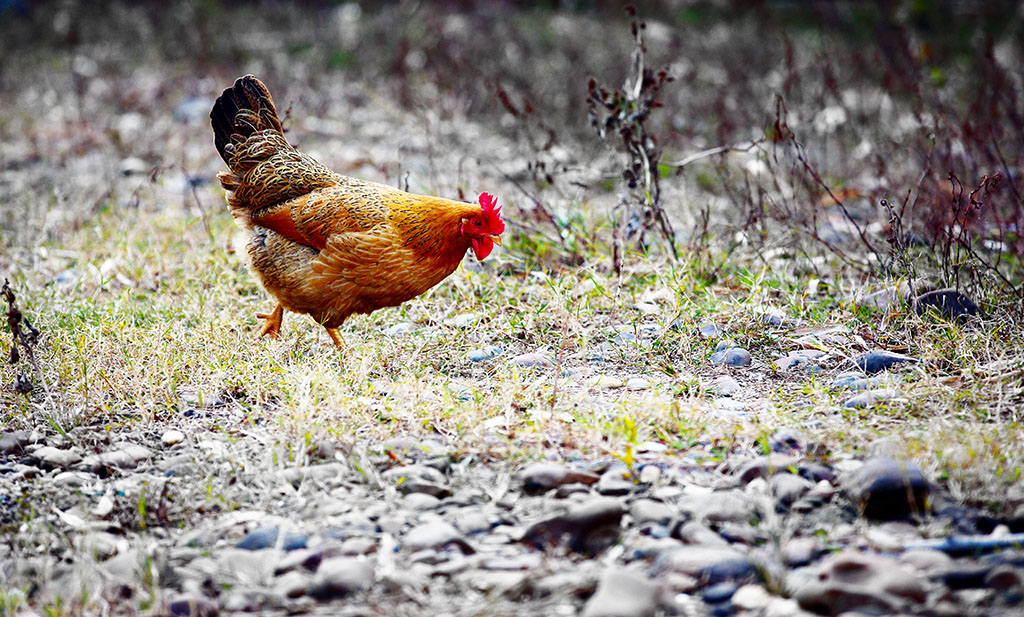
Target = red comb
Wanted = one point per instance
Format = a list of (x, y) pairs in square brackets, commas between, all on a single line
[(492, 212), (489, 202)]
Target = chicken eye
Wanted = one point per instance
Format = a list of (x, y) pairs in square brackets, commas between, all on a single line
[(476, 223)]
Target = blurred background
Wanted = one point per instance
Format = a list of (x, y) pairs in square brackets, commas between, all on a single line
[(816, 113)]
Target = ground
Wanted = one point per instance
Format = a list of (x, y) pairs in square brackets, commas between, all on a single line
[(539, 434)]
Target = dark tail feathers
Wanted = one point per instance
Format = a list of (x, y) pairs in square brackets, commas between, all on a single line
[(242, 110)]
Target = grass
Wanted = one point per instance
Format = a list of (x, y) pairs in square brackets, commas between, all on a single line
[(165, 323)]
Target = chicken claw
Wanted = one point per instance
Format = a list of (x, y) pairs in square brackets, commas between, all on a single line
[(273, 325)]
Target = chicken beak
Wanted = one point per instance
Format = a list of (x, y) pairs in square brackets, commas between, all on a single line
[(495, 238)]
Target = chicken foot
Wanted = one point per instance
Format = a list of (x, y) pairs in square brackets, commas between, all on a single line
[(274, 319)]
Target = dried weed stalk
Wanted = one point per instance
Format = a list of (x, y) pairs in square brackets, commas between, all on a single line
[(626, 113), (23, 334)]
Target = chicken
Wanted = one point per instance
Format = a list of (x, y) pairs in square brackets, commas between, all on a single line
[(328, 245)]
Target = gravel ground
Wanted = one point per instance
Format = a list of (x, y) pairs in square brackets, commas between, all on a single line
[(191, 522)]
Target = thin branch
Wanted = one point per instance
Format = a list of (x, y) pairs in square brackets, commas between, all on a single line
[(696, 156)]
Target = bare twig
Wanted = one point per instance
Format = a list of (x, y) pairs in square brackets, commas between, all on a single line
[(696, 156)]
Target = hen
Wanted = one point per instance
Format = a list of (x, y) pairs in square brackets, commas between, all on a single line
[(328, 245)]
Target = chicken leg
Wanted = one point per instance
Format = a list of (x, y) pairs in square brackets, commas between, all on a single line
[(274, 319), (336, 337)]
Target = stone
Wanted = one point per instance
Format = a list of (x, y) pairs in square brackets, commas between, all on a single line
[(172, 437), (878, 360), (533, 360), (709, 329), (798, 358), (401, 327), (712, 564), (484, 353), (616, 481), (751, 598), (340, 576), (949, 303), (267, 537), (14, 442), (650, 511), (293, 584), (719, 506), (870, 398), (420, 501), (863, 582), (787, 440), (766, 467), (731, 356), (719, 592), (926, 560), (787, 488), (887, 489), (1004, 577), (431, 534), (622, 593), (73, 478), (605, 382), (541, 477), (590, 526), (799, 551), (192, 606), (636, 384), (128, 457), (56, 458), (418, 479), (694, 532), (724, 385)]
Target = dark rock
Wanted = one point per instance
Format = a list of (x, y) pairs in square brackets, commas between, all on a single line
[(815, 472), (1004, 577), (966, 575), (766, 466), (719, 592), (590, 527), (887, 489), (622, 593), (341, 576), (542, 477), (730, 355), (615, 482), (266, 537), (787, 441), (192, 606), (948, 303), (877, 360)]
